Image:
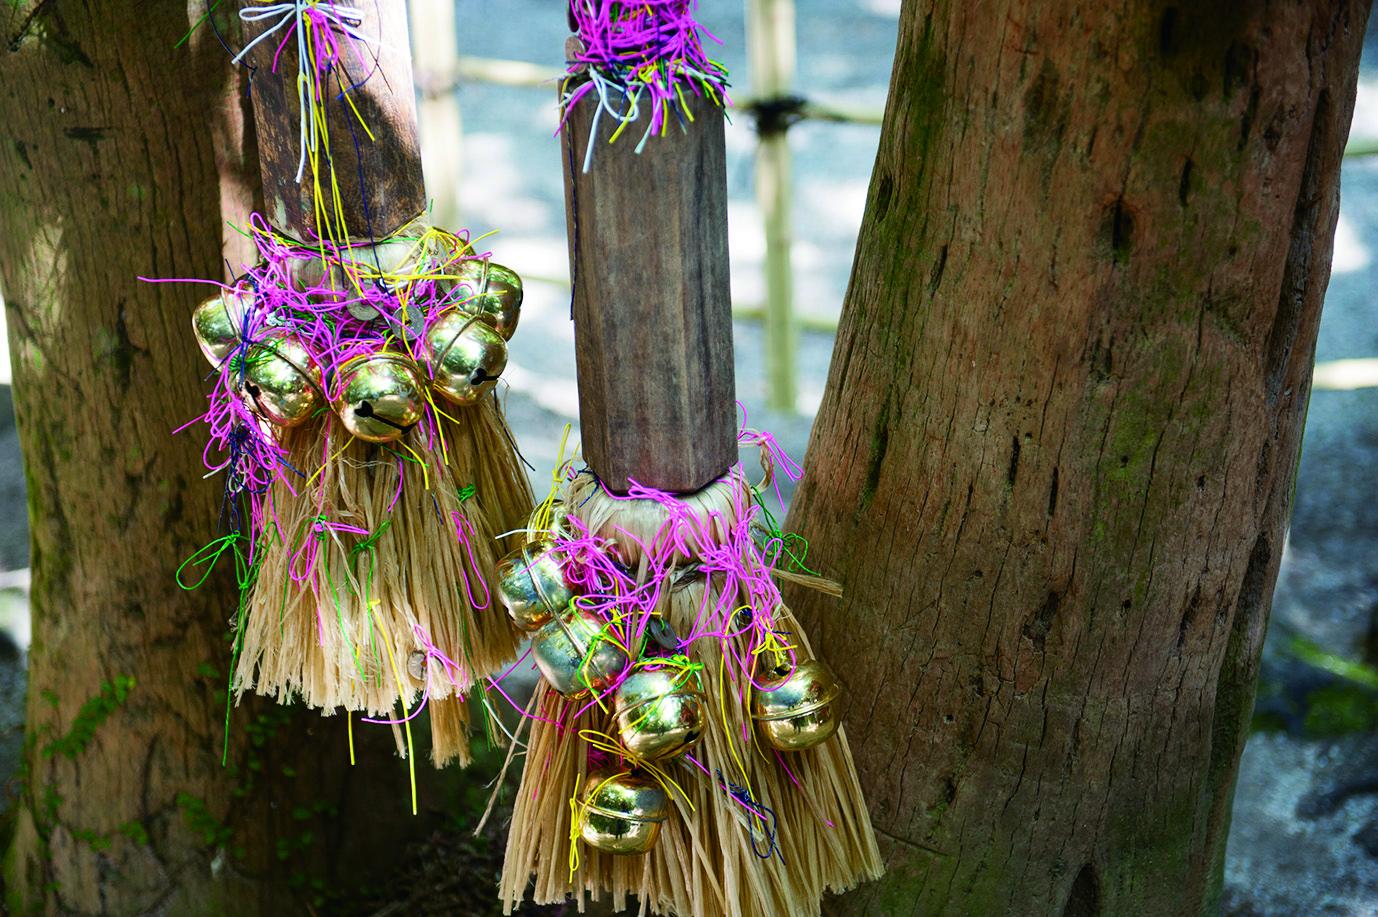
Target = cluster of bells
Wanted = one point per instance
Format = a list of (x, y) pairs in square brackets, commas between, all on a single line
[(382, 395), (657, 713)]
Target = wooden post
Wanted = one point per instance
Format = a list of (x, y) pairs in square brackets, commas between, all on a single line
[(772, 48), (652, 301), (436, 48), (380, 178)]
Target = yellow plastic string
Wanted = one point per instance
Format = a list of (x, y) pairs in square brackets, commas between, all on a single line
[(425, 471), (349, 728), (401, 697), (542, 518), (683, 105), (311, 480), (607, 744), (727, 730), (578, 810)]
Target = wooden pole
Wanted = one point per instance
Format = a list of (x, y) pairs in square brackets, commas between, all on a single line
[(380, 177), (652, 302), (772, 49)]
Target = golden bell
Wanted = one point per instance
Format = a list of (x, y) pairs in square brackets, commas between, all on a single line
[(658, 714), (219, 323), (380, 397), (496, 295), (531, 584), (559, 512), (576, 653), (281, 380), (796, 709), (622, 812), (466, 357)]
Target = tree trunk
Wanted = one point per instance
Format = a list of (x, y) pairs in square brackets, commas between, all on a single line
[(125, 155), (1054, 462)]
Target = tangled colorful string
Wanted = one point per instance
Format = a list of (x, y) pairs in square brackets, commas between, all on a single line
[(640, 60)]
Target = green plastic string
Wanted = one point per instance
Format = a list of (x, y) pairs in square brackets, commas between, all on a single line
[(246, 574), (793, 546)]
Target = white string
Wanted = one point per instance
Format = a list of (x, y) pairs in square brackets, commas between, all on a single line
[(346, 19)]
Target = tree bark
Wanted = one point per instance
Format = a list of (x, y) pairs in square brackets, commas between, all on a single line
[(124, 155), (1054, 462)]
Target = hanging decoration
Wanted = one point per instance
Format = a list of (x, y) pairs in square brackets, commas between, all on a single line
[(644, 63), (683, 747), (682, 713), (353, 414)]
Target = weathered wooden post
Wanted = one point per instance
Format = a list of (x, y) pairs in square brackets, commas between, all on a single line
[(652, 303), (376, 164)]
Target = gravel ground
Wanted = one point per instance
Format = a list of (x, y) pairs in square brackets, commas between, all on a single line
[(1304, 837)]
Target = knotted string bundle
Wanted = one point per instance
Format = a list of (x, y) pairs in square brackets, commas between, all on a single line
[(323, 32), (684, 746), (642, 61)]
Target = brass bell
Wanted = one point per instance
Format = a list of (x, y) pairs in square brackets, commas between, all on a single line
[(559, 512), (575, 652), (219, 323), (658, 714), (495, 294), (796, 709), (622, 812), (531, 584), (281, 380), (380, 397), (466, 357)]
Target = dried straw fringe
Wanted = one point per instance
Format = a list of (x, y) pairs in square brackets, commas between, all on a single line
[(703, 863), (363, 652)]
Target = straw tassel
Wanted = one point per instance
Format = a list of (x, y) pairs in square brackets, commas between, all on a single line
[(804, 830), (402, 589)]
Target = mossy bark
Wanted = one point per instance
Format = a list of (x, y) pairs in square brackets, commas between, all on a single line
[(124, 154), (1054, 461)]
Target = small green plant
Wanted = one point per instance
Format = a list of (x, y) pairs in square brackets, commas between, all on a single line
[(95, 711)]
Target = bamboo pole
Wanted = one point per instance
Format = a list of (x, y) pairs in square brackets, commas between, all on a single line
[(770, 30), (435, 44)]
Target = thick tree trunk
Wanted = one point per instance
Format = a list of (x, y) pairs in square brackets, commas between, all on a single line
[(1054, 462), (124, 155)]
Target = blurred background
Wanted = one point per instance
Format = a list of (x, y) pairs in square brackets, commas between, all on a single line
[(1304, 838)]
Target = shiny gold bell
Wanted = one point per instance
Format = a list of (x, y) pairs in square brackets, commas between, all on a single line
[(219, 323), (531, 584), (658, 713), (796, 709), (577, 653), (281, 380), (466, 357), (622, 812), (380, 397), (495, 294)]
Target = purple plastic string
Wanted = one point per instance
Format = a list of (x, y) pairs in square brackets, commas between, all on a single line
[(642, 61)]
